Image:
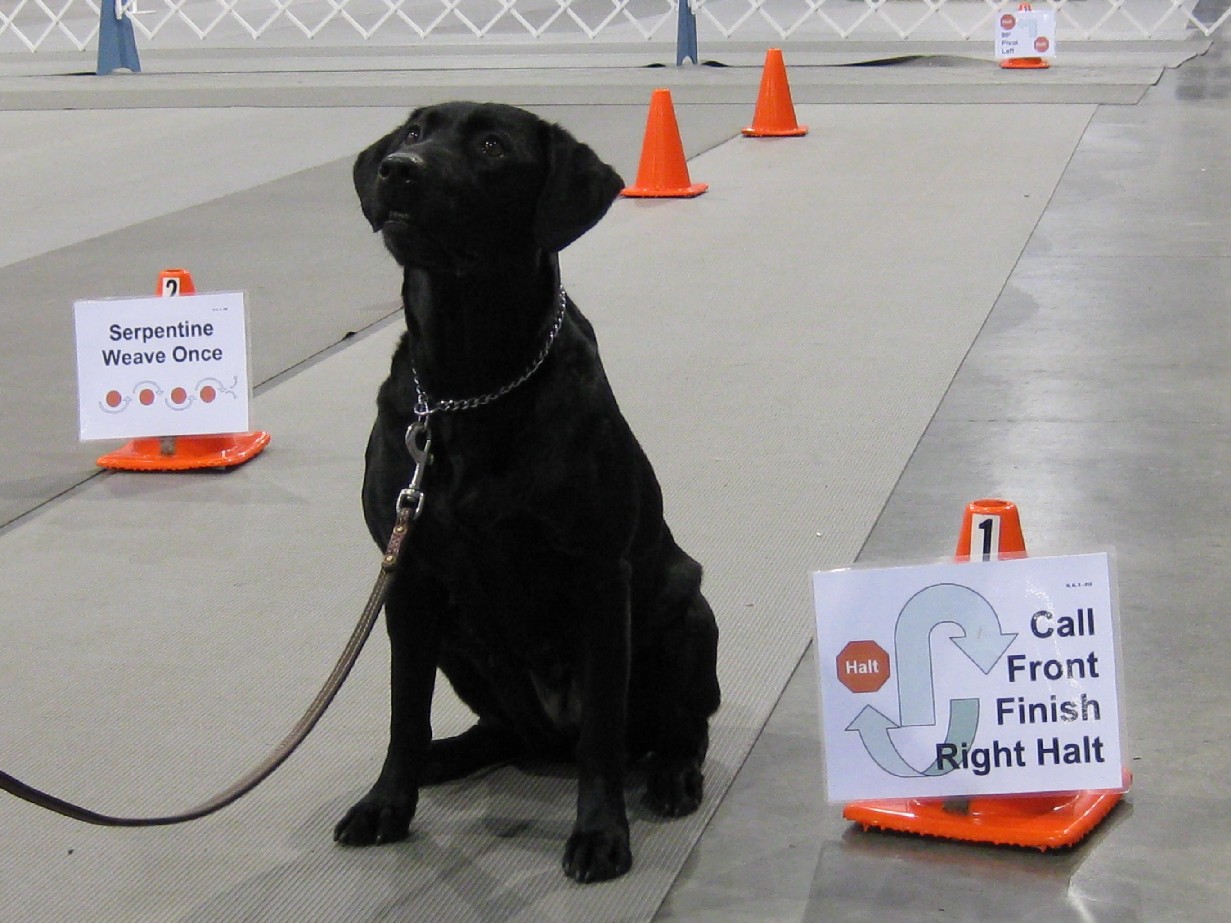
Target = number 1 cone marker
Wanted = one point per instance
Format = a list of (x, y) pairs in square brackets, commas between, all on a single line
[(663, 172), (775, 113), (990, 527), (991, 530), (184, 453)]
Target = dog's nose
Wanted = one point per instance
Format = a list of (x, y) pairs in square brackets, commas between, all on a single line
[(401, 167)]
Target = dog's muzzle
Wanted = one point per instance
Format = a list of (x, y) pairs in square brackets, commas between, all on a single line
[(400, 178), (401, 170)]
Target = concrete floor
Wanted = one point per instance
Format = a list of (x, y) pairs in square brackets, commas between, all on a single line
[(1096, 399), (1093, 398)]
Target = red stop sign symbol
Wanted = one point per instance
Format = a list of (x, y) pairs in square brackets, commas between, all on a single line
[(863, 666)]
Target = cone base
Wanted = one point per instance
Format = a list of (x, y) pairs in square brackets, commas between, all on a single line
[(753, 131), (1023, 63), (678, 192), (1035, 821), (191, 453)]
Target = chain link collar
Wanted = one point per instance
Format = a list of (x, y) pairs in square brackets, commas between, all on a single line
[(425, 407)]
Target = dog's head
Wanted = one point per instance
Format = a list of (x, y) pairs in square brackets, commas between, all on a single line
[(461, 186)]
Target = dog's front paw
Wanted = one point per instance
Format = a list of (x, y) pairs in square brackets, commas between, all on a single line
[(374, 821), (674, 790), (597, 855)]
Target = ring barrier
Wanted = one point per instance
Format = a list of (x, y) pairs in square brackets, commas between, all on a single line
[(35, 25)]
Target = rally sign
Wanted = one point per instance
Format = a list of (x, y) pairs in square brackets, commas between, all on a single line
[(1026, 34), (969, 678), (162, 366)]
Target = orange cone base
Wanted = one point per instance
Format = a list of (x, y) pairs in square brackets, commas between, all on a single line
[(753, 132), (678, 192), (1036, 821), (190, 452), (1021, 63)]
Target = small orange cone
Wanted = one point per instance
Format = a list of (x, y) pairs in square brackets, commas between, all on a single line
[(775, 113), (663, 172), (174, 282), (992, 529), (1024, 63), (184, 453)]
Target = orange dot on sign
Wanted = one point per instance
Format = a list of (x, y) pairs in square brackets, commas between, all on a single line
[(863, 666), (208, 394), (146, 397), (178, 395), (1008, 21), (1041, 44), (114, 398)]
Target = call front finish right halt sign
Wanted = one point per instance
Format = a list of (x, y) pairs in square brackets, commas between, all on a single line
[(956, 679)]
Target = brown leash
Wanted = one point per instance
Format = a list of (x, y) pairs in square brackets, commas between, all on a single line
[(409, 506)]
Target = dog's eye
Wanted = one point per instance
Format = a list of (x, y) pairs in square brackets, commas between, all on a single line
[(412, 134), (491, 147)]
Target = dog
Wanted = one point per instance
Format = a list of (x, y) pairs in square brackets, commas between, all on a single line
[(541, 579)]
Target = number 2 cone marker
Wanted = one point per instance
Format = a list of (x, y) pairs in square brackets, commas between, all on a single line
[(185, 453)]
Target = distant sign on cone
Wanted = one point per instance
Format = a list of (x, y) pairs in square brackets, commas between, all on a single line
[(1026, 40), (663, 172)]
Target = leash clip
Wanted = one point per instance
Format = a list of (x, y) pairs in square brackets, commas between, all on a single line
[(419, 445)]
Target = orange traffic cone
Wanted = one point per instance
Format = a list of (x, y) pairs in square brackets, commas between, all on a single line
[(663, 172), (775, 113), (184, 453), (1043, 822), (173, 282), (990, 527), (1023, 63)]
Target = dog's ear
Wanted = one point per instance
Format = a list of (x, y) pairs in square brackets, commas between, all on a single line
[(577, 192), (366, 166)]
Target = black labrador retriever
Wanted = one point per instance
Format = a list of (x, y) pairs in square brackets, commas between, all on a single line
[(541, 577)]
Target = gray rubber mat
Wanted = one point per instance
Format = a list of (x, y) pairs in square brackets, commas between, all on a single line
[(204, 189), (779, 345)]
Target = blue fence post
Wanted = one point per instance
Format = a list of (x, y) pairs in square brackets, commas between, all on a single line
[(117, 45), (686, 34)]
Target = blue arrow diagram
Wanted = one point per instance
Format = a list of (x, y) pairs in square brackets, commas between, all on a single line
[(963, 723), (873, 728), (983, 642)]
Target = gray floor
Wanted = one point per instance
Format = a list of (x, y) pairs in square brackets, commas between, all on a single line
[(1091, 397), (1095, 399)]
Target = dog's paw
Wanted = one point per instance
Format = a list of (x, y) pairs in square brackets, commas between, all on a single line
[(597, 855), (674, 790), (374, 821)]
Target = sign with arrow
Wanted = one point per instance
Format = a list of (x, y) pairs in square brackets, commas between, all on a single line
[(969, 678)]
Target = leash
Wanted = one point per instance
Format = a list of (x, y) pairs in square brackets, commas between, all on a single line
[(409, 508)]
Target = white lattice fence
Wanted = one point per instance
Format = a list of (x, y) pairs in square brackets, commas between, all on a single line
[(31, 25), (950, 19)]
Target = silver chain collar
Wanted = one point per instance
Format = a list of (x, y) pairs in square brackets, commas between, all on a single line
[(424, 407)]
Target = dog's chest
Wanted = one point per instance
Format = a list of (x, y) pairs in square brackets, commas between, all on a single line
[(514, 617)]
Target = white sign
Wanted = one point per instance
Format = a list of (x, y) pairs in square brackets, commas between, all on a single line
[(1026, 34), (996, 677), (162, 366)]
